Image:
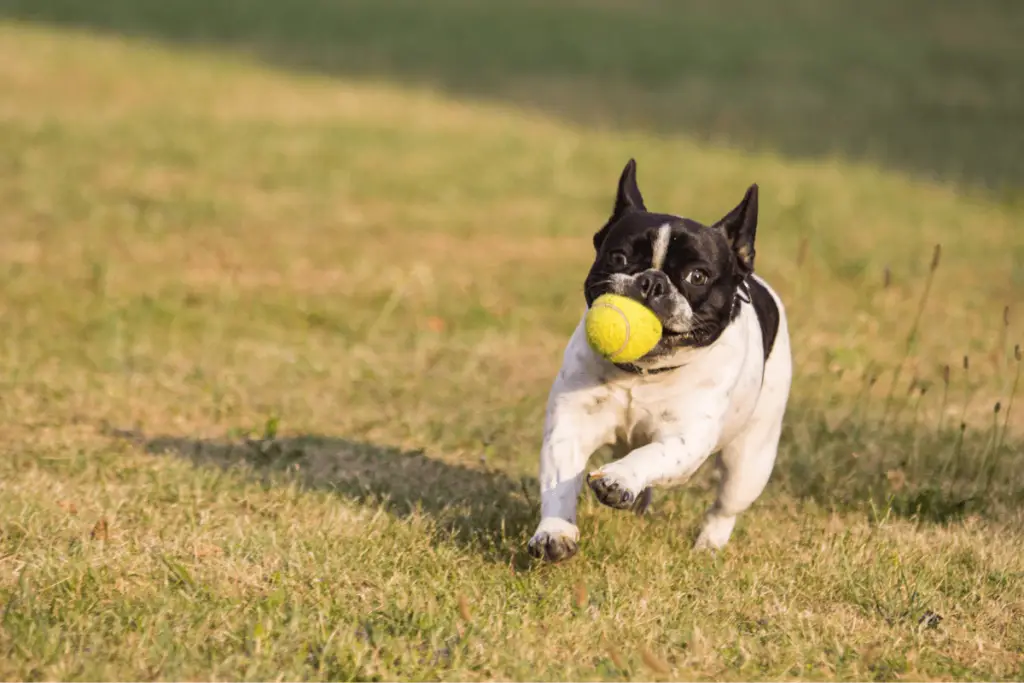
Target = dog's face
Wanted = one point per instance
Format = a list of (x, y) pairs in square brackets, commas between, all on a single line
[(686, 272)]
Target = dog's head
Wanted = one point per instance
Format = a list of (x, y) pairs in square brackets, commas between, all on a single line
[(686, 272)]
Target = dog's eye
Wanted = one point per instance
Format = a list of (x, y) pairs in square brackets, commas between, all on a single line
[(617, 259), (697, 277)]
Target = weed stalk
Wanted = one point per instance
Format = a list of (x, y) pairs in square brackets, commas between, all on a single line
[(912, 335)]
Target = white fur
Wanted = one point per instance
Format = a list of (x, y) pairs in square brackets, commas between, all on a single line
[(659, 248), (669, 423)]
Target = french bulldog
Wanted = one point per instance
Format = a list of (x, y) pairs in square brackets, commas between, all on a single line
[(717, 382)]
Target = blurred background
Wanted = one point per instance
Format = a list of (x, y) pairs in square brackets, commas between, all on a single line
[(340, 245)]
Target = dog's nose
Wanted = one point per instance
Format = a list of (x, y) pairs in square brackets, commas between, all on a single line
[(652, 284)]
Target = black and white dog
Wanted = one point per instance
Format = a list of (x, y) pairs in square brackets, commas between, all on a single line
[(717, 382)]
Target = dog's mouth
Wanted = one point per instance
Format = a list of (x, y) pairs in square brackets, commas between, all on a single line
[(675, 327), (673, 312), (672, 339), (673, 335)]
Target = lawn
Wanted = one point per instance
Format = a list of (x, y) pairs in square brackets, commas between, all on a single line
[(283, 287)]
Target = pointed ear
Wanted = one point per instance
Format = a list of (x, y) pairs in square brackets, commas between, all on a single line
[(627, 198), (740, 228)]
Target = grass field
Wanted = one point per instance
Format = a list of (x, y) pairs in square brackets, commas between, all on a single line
[(283, 286)]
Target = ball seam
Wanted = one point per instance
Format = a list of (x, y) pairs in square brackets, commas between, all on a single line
[(625, 319)]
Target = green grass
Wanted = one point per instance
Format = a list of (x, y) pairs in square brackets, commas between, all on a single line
[(277, 325), (921, 85)]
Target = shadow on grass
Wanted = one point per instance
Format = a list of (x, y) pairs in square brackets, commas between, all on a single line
[(924, 86), (930, 477), (478, 508)]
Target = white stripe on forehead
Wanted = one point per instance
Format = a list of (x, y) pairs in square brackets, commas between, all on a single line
[(660, 246)]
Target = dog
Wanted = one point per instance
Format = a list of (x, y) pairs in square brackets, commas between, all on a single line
[(717, 381)]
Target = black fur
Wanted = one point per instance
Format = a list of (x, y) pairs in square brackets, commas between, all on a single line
[(627, 199), (767, 314)]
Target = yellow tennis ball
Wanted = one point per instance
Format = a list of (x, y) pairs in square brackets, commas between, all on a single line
[(621, 329)]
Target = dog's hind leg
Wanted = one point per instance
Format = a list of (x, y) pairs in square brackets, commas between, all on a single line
[(745, 466), (746, 463)]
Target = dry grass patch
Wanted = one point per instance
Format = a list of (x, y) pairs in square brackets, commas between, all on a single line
[(274, 348)]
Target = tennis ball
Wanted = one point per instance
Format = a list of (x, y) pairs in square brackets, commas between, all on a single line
[(621, 329)]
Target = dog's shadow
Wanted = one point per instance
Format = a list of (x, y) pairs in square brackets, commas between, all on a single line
[(482, 508)]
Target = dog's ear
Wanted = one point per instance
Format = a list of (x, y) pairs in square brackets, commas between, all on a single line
[(740, 228), (627, 198)]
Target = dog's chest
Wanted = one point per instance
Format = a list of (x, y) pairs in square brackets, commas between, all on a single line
[(641, 411), (644, 409)]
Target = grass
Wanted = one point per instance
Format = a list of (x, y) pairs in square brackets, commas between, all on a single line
[(922, 86), (277, 332)]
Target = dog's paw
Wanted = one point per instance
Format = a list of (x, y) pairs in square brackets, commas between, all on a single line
[(643, 502), (613, 488), (715, 533), (555, 540)]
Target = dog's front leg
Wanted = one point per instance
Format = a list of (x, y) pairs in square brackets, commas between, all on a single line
[(670, 458), (571, 435)]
